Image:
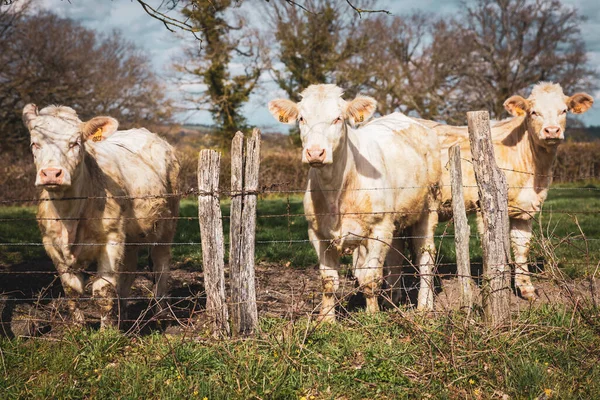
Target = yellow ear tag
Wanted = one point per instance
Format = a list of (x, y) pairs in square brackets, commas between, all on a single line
[(282, 118), (361, 118), (97, 136), (520, 112)]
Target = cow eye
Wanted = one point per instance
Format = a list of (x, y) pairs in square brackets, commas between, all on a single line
[(35, 146), (73, 145), (301, 120), (534, 114), (564, 111), (337, 120)]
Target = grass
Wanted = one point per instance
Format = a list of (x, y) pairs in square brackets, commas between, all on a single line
[(383, 356), (281, 239), (548, 349)]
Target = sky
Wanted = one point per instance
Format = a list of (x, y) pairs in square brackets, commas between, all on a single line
[(164, 47)]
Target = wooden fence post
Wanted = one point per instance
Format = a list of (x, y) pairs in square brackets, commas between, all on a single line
[(211, 236), (462, 231), (493, 202), (244, 186)]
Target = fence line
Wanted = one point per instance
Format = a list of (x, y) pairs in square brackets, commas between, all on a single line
[(296, 215), (194, 191), (577, 238), (212, 193)]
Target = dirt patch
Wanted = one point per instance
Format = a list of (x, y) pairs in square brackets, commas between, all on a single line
[(33, 304)]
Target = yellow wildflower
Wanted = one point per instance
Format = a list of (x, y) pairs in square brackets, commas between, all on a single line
[(471, 382)]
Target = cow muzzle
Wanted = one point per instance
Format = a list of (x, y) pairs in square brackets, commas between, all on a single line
[(552, 134), (51, 177), (315, 156)]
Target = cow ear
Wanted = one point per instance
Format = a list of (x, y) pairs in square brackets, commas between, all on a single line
[(360, 110), (580, 103), (517, 106), (30, 112), (98, 128), (284, 111)]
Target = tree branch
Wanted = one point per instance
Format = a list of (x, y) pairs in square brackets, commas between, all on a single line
[(169, 22)]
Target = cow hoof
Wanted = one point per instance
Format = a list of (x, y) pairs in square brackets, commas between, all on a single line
[(528, 292), (78, 317), (107, 321), (327, 318), (424, 309)]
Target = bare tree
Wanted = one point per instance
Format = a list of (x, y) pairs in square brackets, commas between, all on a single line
[(408, 63), (166, 12), (515, 43), (312, 42), (50, 60), (439, 68)]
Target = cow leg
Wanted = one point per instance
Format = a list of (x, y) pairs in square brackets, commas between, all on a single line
[(73, 285), (520, 235), (479, 221), (393, 271), (329, 261), (370, 273), (104, 288), (161, 260), (423, 247), (125, 280)]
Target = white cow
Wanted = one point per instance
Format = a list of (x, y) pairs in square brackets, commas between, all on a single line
[(525, 148), (364, 184), (104, 192)]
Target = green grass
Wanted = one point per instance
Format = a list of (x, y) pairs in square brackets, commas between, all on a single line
[(282, 239), (389, 355), (383, 356), (23, 230)]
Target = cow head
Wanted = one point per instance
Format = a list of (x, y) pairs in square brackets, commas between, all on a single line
[(57, 138), (322, 116), (546, 111)]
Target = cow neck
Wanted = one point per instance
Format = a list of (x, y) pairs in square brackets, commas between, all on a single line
[(330, 178)]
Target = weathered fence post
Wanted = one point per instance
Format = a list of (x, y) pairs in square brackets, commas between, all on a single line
[(493, 202), (462, 231), (244, 186), (211, 236)]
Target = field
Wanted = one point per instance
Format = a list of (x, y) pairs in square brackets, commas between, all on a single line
[(551, 348)]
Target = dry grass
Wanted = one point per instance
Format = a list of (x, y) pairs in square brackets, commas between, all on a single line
[(281, 168)]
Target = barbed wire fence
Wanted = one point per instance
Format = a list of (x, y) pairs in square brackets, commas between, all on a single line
[(32, 302)]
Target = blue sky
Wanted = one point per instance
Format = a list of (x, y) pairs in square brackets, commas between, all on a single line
[(164, 47)]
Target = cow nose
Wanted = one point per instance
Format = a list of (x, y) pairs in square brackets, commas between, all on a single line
[(552, 132), (315, 155), (51, 176)]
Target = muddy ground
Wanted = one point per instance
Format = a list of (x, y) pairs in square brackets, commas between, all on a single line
[(33, 303)]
